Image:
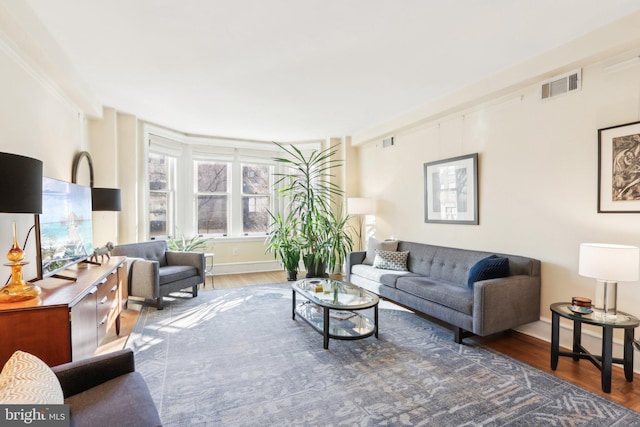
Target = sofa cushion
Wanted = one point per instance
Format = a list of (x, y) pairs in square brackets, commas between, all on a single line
[(171, 273), (491, 267), (390, 260), (447, 294), (386, 277), (25, 379), (124, 400), (373, 245)]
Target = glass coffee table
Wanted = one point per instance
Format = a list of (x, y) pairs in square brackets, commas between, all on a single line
[(332, 308)]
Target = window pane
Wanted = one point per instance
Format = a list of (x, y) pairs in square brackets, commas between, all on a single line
[(212, 177), (158, 172), (212, 214), (255, 179), (158, 204), (254, 214)]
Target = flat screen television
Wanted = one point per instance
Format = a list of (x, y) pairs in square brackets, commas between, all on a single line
[(64, 231)]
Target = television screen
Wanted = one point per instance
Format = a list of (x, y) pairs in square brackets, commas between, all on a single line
[(64, 227)]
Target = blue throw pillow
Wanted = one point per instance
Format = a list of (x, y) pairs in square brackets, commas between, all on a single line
[(491, 267)]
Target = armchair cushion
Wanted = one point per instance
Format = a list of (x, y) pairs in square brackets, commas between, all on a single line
[(171, 273), (25, 379)]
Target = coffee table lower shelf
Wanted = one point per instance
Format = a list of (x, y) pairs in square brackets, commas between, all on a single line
[(337, 324)]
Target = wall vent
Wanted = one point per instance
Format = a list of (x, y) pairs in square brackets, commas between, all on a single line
[(561, 85), (388, 142)]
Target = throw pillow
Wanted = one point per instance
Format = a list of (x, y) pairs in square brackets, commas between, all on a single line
[(390, 260), (25, 379), (373, 245), (491, 267)]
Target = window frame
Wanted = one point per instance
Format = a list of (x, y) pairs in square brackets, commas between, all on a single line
[(188, 149)]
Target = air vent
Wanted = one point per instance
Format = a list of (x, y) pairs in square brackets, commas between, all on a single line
[(387, 142), (561, 85)]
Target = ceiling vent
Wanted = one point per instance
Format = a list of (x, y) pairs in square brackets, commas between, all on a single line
[(561, 85), (388, 142)]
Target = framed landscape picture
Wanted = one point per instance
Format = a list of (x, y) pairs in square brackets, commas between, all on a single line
[(451, 190), (619, 169)]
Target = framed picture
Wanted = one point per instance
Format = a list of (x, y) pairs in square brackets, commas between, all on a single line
[(619, 169), (451, 190)]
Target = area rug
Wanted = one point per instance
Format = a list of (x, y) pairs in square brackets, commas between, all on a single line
[(235, 357)]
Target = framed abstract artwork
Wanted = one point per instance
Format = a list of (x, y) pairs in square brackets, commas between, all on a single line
[(451, 190), (619, 169)]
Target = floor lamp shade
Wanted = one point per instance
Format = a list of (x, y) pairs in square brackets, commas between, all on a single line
[(609, 264), (22, 184), (359, 206), (105, 199)]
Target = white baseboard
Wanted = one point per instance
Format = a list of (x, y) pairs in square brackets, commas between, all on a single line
[(591, 340)]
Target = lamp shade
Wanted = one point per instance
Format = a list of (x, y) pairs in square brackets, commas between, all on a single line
[(21, 179), (105, 199), (359, 206), (615, 263)]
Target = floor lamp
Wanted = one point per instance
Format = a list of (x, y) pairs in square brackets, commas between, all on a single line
[(359, 206), (21, 193), (608, 264)]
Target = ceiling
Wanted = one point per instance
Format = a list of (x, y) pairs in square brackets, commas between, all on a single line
[(294, 70)]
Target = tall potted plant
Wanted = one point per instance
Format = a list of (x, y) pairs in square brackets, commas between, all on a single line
[(306, 183), (284, 243)]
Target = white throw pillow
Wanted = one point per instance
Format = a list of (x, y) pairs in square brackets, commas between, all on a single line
[(25, 379), (389, 260), (373, 245)]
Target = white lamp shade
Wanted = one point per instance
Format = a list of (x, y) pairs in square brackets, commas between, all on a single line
[(359, 206), (614, 263)]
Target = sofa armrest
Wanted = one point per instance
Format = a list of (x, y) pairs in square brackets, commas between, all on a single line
[(144, 278), (501, 304), (353, 258), (76, 377), (193, 259)]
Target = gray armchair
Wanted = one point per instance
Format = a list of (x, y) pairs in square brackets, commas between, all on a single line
[(155, 272), (107, 390)]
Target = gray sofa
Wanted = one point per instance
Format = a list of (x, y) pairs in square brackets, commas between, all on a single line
[(106, 390), (155, 272), (436, 284)]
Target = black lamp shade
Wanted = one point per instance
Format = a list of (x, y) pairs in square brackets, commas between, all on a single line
[(105, 199), (21, 179)]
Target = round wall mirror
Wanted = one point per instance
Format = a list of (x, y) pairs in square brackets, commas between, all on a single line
[(82, 172)]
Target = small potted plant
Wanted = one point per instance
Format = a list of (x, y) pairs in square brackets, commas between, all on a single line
[(284, 243), (182, 244)]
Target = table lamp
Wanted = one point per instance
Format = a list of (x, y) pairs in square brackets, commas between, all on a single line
[(105, 199), (608, 264), (21, 193), (359, 206)]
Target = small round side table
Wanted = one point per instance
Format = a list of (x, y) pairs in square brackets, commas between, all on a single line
[(605, 360)]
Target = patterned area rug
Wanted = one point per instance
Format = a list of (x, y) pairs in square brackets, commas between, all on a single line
[(234, 357)]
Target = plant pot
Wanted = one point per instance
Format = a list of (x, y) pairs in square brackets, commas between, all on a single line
[(292, 276), (315, 269)]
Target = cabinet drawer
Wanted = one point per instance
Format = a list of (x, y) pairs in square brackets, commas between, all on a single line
[(108, 286)]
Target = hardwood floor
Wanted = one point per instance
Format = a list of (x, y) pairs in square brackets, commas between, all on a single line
[(524, 348)]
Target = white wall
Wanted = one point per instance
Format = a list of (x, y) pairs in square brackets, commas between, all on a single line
[(35, 121), (538, 170)]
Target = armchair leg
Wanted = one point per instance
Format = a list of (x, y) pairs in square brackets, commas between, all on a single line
[(159, 304), (195, 290)]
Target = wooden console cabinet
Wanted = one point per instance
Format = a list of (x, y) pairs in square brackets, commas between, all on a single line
[(69, 318)]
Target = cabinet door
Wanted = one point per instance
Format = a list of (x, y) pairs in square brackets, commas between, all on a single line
[(84, 334), (43, 332)]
